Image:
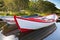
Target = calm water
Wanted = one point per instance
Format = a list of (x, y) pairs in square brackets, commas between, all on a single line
[(54, 36)]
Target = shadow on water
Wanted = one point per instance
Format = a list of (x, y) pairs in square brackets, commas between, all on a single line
[(34, 35), (56, 34)]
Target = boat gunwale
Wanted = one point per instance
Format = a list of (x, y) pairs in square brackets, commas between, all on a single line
[(34, 20)]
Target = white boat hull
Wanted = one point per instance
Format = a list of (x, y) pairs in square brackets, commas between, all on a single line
[(25, 24), (9, 19), (32, 25)]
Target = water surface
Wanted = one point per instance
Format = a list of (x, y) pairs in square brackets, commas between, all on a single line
[(54, 36)]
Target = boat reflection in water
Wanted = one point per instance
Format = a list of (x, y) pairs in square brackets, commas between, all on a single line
[(56, 34)]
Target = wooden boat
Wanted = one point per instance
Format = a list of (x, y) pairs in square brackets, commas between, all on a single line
[(32, 23), (8, 19)]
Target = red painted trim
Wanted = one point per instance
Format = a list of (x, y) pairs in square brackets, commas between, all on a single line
[(21, 29), (16, 22), (34, 20)]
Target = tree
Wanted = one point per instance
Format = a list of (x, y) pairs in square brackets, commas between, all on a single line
[(48, 7), (43, 6), (22, 4), (9, 5), (16, 5), (1, 5)]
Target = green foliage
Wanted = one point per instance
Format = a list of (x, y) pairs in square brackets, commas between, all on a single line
[(43, 6), (15, 5), (30, 7)]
